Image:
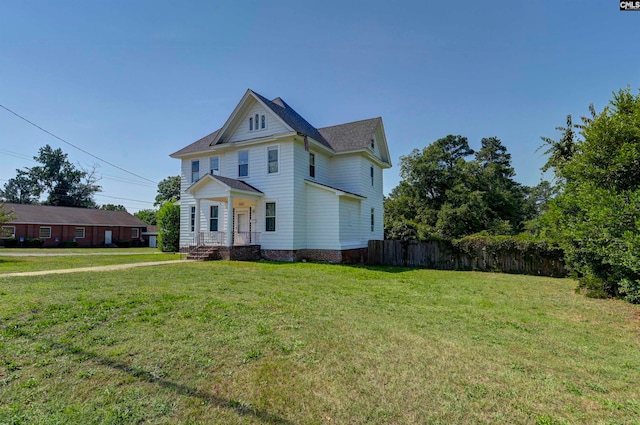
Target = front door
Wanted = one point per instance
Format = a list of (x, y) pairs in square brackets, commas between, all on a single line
[(242, 228), (107, 237)]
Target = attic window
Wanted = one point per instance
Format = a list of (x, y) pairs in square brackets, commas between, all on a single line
[(257, 122), (373, 144)]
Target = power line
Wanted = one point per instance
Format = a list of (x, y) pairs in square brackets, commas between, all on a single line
[(124, 199), (71, 144)]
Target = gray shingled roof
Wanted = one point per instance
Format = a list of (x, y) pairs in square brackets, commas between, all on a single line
[(199, 145), (45, 214), (236, 184), (340, 138), (351, 136), (292, 118)]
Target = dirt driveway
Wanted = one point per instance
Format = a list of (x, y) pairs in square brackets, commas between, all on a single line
[(89, 269)]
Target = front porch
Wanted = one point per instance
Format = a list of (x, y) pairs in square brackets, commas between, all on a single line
[(224, 215)]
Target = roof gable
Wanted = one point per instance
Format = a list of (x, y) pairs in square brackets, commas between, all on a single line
[(281, 118)]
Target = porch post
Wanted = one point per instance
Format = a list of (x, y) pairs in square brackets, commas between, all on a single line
[(230, 220), (197, 221)]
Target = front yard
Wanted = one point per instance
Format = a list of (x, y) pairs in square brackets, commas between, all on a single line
[(233, 342)]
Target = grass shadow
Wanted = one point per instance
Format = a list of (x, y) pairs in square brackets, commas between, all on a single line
[(185, 390)]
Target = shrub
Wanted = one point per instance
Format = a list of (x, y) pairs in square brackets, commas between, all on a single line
[(11, 243), (123, 244), (33, 243), (69, 244)]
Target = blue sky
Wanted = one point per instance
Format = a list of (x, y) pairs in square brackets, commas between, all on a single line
[(133, 81)]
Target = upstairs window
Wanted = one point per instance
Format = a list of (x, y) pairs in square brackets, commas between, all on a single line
[(272, 159), (215, 165), (371, 172), (373, 144), (257, 122), (243, 163), (213, 220), (195, 171), (312, 165)]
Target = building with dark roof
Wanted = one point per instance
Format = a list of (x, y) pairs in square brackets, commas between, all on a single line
[(269, 177), (56, 225)]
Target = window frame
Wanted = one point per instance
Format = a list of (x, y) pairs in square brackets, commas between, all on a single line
[(250, 123), (312, 165), (275, 148), (197, 163), (192, 219), (4, 232), (263, 121), (211, 169), (270, 218), (135, 233), (373, 219), (241, 164), (75, 233), (212, 218), (372, 173), (40, 236)]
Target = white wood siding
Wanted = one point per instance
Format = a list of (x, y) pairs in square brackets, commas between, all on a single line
[(322, 219), (241, 130), (374, 200), (350, 224)]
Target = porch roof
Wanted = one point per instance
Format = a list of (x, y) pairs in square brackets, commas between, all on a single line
[(219, 188)]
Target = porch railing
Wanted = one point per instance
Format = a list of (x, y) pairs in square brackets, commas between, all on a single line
[(213, 238), (246, 238)]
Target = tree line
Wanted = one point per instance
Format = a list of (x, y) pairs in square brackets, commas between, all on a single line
[(56, 181), (590, 209)]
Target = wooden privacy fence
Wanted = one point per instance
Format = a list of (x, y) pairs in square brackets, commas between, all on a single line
[(445, 256)]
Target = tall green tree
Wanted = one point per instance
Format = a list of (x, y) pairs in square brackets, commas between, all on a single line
[(149, 216), (113, 207), (168, 190), (449, 191), (6, 215), (596, 216), (60, 181), (169, 224), (20, 189)]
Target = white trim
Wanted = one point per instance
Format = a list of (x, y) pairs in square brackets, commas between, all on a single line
[(75, 233), (239, 111), (4, 229), (193, 161), (270, 232), (277, 149), (238, 163), (40, 232), (278, 137), (211, 169), (337, 192), (136, 231)]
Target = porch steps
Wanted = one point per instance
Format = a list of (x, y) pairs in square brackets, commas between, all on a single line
[(204, 253)]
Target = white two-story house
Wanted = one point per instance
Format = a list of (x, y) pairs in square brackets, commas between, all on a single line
[(267, 177)]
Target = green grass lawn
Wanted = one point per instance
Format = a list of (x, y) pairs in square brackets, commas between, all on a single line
[(66, 251), (37, 263), (238, 343)]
